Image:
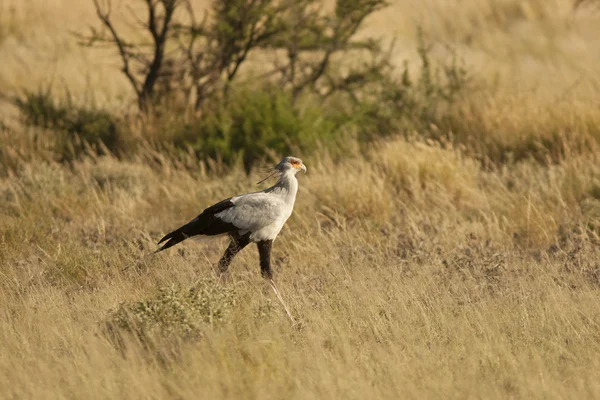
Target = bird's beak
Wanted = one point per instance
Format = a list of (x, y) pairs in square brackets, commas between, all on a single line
[(303, 168)]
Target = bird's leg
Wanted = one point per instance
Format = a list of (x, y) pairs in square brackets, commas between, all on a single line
[(264, 251), (235, 246)]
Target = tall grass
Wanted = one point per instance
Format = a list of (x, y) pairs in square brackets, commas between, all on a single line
[(453, 259), (412, 272)]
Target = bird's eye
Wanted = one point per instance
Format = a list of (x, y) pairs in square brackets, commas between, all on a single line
[(294, 162)]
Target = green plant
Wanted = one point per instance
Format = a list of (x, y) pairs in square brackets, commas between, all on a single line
[(174, 314), (254, 123), (76, 126), (409, 102)]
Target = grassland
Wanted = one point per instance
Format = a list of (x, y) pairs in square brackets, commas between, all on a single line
[(416, 269)]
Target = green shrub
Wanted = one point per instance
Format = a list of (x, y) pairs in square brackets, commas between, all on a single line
[(251, 123), (410, 103), (75, 126), (172, 316), (255, 123)]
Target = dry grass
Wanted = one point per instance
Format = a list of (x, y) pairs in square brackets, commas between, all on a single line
[(414, 275), (414, 271)]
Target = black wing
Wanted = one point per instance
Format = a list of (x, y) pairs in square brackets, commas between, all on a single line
[(204, 224)]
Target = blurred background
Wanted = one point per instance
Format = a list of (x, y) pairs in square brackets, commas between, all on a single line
[(505, 79)]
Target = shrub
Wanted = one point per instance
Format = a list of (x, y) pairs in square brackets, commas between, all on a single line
[(174, 315), (408, 103), (257, 122), (253, 122), (76, 126)]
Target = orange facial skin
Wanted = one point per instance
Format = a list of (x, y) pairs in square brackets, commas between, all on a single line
[(296, 164)]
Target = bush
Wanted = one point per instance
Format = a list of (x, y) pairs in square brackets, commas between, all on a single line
[(76, 127), (257, 122), (174, 315), (254, 122), (409, 103)]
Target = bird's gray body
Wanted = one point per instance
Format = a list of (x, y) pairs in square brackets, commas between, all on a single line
[(253, 217), (263, 214)]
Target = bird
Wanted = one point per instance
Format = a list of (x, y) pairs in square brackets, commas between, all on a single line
[(256, 217)]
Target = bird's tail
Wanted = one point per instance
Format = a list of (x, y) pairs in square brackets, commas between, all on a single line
[(207, 223), (178, 235)]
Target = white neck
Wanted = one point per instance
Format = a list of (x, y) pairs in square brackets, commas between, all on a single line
[(287, 186)]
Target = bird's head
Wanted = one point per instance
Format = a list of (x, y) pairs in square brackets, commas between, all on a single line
[(292, 164), (289, 165)]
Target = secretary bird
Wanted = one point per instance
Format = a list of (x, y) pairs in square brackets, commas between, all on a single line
[(253, 217)]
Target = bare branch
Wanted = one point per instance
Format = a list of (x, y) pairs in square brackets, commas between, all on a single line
[(206, 56), (121, 45), (160, 36)]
